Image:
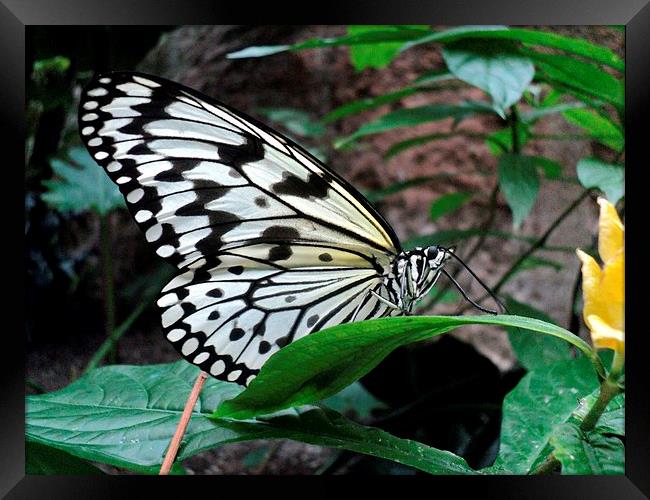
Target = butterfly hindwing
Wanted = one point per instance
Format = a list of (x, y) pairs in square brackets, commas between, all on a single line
[(231, 202)]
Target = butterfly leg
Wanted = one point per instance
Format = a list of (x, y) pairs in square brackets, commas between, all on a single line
[(379, 297)]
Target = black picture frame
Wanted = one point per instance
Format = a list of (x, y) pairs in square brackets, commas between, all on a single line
[(16, 15)]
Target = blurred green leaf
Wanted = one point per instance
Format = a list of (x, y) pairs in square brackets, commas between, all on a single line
[(398, 187), (543, 399), (608, 177), (44, 68), (296, 121), (600, 128), (528, 37), (398, 147), (455, 235), (375, 55), (394, 33), (534, 351), (534, 262), (321, 364), (126, 416), (409, 117), (82, 185), (587, 452), (573, 73), (354, 399), (496, 67), (536, 113), (519, 182), (552, 169), (448, 203), (44, 460), (424, 82), (367, 103), (500, 141)]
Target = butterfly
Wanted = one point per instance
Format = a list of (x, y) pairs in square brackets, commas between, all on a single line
[(270, 244)]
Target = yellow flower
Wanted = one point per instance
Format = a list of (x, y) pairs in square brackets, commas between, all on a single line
[(603, 289)]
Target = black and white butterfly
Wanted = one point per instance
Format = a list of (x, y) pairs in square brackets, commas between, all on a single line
[(270, 244)]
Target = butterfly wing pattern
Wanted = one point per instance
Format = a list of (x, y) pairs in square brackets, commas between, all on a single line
[(270, 244)]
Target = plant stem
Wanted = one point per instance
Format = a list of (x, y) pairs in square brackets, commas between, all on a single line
[(175, 443), (549, 465), (514, 124), (107, 278), (111, 341), (608, 389), (534, 247)]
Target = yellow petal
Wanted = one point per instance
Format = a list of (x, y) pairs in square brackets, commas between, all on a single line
[(612, 292), (610, 231), (591, 277), (604, 336)]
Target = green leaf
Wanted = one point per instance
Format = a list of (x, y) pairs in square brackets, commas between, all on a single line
[(296, 121), (410, 117), (600, 128), (543, 399), (536, 113), (575, 46), (500, 141), (419, 140), (519, 182), (583, 76), (587, 453), (495, 67), (552, 169), (534, 262), (612, 420), (354, 399), (375, 55), (126, 416), (398, 187), (83, 185), (448, 203), (319, 365), (392, 34), (608, 177), (44, 460), (534, 351), (367, 103)]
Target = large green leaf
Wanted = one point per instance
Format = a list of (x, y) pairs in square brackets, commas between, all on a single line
[(126, 415), (612, 420), (608, 177), (495, 67), (45, 460), (375, 55), (583, 76), (410, 117), (321, 364), (528, 37), (392, 34), (534, 351), (602, 129), (543, 399), (83, 185), (587, 452), (519, 182), (354, 399)]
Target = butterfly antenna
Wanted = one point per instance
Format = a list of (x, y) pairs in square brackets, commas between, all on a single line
[(502, 307)]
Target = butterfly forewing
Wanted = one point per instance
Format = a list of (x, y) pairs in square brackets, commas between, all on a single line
[(271, 245)]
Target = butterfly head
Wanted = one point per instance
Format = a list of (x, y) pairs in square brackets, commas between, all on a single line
[(415, 272)]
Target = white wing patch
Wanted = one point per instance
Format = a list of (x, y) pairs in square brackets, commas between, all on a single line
[(271, 245)]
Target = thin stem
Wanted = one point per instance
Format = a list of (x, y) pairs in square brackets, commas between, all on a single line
[(548, 466), (175, 443), (107, 279), (534, 247), (111, 341), (514, 125)]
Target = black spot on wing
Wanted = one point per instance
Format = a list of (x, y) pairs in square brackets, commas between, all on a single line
[(264, 347), (251, 151), (314, 187), (325, 257), (236, 334), (281, 233), (280, 252)]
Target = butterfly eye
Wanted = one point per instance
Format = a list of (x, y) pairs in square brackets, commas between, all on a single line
[(432, 252)]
